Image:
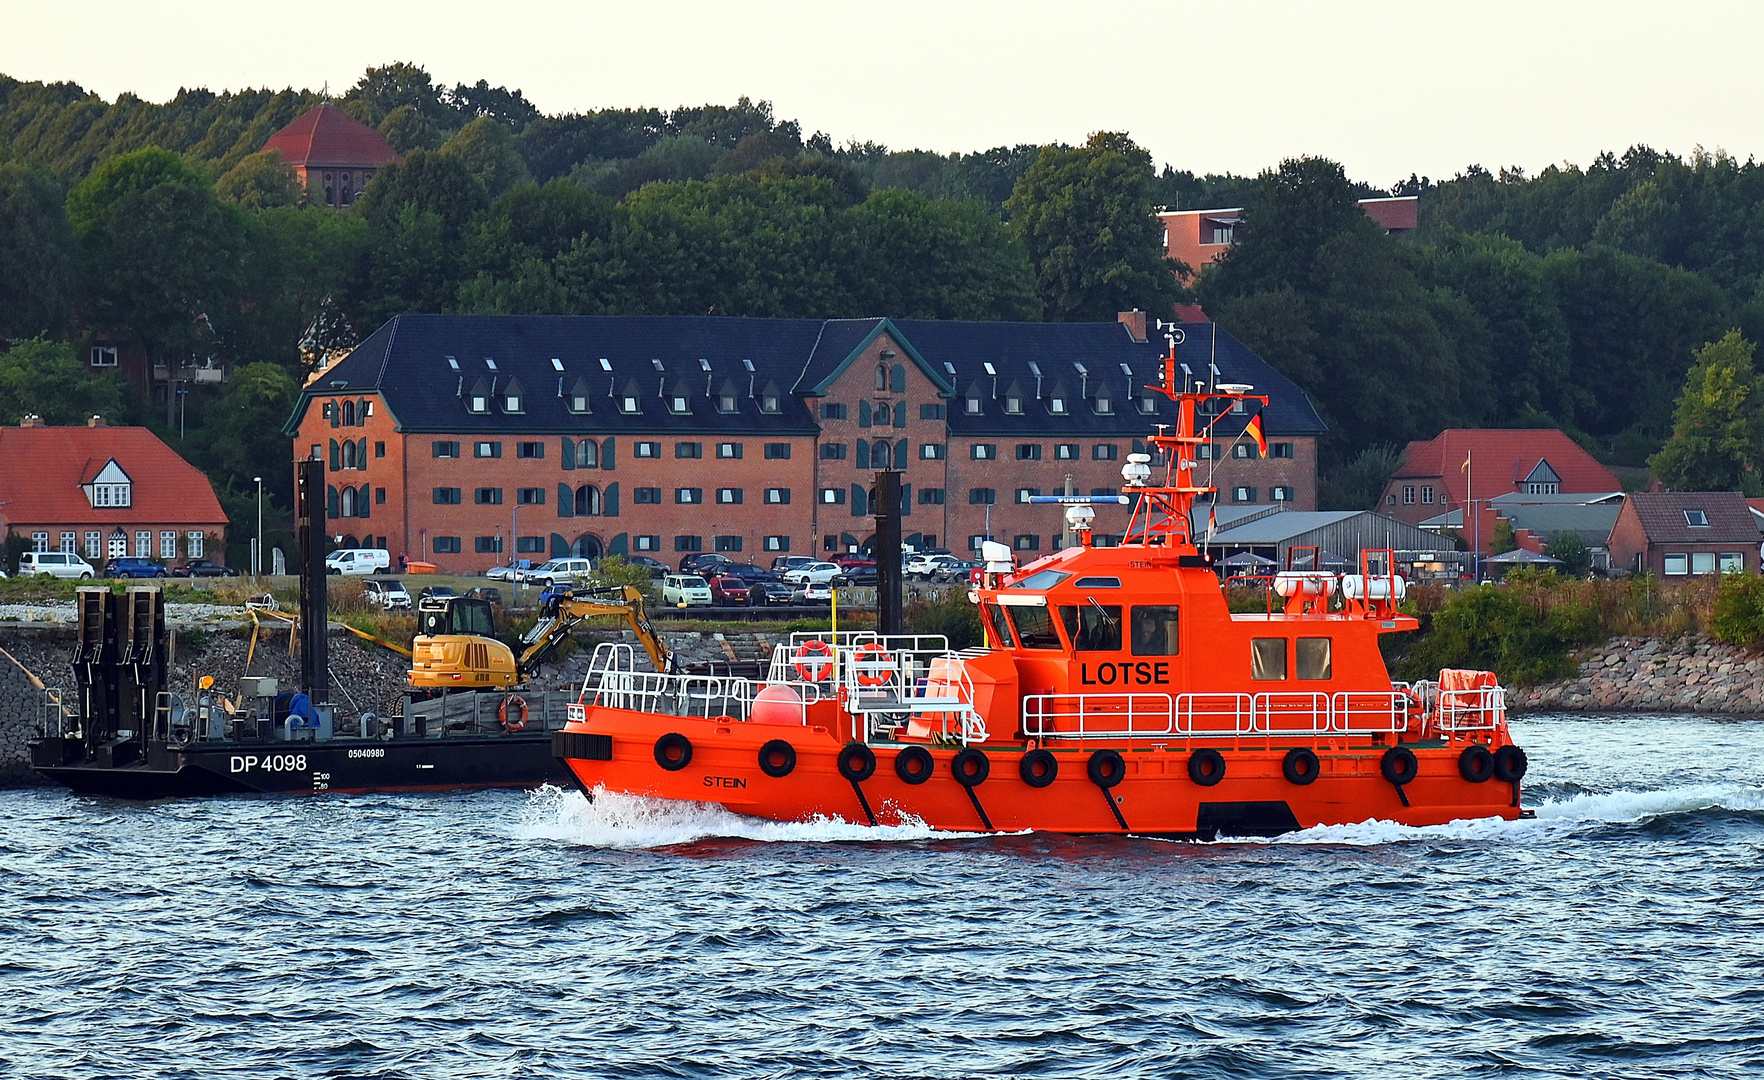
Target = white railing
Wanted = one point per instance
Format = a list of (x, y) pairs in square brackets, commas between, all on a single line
[(1482, 709), (1135, 716), (825, 657), (1215, 714), (1356, 712), (1292, 714), (674, 695), (1089, 716)]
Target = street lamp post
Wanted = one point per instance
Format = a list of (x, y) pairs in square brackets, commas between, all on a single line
[(257, 552)]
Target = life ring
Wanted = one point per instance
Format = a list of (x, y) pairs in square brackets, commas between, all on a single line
[(857, 762), (673, 751), (777, 759), (1510, 764), (502, 714), (807, 668), (1106, 768), (1476, 764), (1300, 766), (1399, 765), (1206, 767), (1038, 768), (971, 767), (872, 664), (914, 765)]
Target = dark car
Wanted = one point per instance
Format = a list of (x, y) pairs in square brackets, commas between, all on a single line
[(749, 573), (490, 594), (436, 592), (702, 562), (656, 568), (728, 589), (859, 574), (203, 568), (133, 568), (791, 562), (762, 593)]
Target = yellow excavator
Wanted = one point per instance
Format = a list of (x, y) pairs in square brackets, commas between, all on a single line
[(455, 647)]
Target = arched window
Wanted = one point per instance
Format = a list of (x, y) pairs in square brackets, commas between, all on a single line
[(588, 455), (879, 454), (349, 414), (881, 376), (348, 507), (349, 453), (881, 414), (587, 501)]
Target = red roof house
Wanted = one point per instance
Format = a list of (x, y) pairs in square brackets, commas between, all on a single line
[(333, 152), (104, 492)]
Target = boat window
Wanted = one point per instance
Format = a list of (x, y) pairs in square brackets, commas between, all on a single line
[(1313, 658), (1041, 579), (1001, 627), (1267, 658), (1093, 627), (1035, 628), (1154, 630), (1098, 583)]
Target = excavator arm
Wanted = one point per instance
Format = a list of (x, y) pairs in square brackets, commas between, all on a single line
[(563, 608)]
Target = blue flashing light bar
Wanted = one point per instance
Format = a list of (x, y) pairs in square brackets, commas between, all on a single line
[(1082, 500)]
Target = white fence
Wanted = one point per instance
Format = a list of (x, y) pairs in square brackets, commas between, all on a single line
[(1135, 716)]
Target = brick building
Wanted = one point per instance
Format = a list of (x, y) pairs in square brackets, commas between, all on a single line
[(105, 492), (333, 153), (469, 440), (1685, 533), (1198, 237)]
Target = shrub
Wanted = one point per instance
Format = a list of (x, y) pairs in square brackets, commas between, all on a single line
[(1737, 613), (1503, 630)]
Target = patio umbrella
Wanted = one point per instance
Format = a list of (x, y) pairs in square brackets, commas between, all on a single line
[(1521, 557), (1246, 558)]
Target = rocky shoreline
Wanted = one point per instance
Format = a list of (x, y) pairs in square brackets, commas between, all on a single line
[(1639, 674)]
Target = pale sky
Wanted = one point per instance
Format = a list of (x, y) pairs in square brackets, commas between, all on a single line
[(1386, 89)]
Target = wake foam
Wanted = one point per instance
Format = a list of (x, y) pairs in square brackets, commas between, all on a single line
[(1555, 817), (627, 822)]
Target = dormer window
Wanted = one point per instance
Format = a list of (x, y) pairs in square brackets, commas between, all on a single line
[(111, 489), (769, 403), (771, 399), (679, 405), (1104, 406), (579, 403), (480, 403), (726, 403), (1147, 406), (972, 406), (511, 403), (1013, 405), (1057, 406), (1696, 519)]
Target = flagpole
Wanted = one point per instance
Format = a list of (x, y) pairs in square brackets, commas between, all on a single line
[(1476, 530)]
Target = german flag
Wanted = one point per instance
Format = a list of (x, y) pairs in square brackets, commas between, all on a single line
[(1254, 430)]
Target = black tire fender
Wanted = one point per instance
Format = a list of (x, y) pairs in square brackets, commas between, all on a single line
[(857, 762), (1476, 764), (1398, 765), (914, 765), (970, 767), (1038, 768), (673, 751), (1106, 768), (777, 759), (1300, 766), (1206, 767), (1510, 764)]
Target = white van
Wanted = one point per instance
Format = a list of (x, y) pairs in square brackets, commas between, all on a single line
[(358, 561), (53, 563)]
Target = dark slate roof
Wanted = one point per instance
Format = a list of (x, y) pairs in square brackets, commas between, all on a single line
[(1662, 517), (406, 360)]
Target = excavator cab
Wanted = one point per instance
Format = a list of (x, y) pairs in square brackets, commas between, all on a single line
[(455, 648), (448, 615)]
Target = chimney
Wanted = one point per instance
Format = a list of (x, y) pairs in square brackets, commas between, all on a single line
[(1134, 321), (32, 420), (96, 421)]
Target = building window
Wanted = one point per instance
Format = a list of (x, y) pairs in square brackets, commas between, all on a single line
[(67, 543), (1390, 500), (193, 543), (168, 543), (984, 452), (726, 403), (778, 496), (1013, 405), (930, 451), (777, 543), (1025, 494), (1281, 494), (144, 544), (646, 543), (1408, 495), (111, 495), (881, 414), (1427, 494), (1280, 449), (1057, 406), (1204, 452), (728, 543), (729, 496), (1102, 452), (770, 404), (529, 545), (487, 545), (511, 403), (1702, 562), (777, 451), (1147, 406), (1696, 519), (530, 496), (1243, 494), (1066, 451), (587, 454), (1028, 451), (480, 403), (688, 496), (931, 412), (1543, 488), (833, 451), (446, 496), (729, 451), (1241, 450), (971, 406), (1675, 564), (930, 496), (833, 495), (104, 356), (832, 412), (678, 405), (1104, 406), (529, 450), (380, 496), (628, 405), (688, 450), (488, 496), (1110, 493), (94, 544), (445, 545), (487, 449), (647, 450), (379, 449), (1027, 542), (646, 496), (440, 449), (1733, 562), (688, 543), (976, 540), (982, 496)]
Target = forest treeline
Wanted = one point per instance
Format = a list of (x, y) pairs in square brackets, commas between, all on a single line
[(1572, 298)]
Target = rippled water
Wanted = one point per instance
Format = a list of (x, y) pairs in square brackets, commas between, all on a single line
[(1620, 934)]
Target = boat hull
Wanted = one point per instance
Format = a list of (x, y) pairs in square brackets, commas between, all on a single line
[(1154, 796)]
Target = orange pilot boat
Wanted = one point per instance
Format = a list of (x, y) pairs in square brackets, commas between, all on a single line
[(1116, 693)]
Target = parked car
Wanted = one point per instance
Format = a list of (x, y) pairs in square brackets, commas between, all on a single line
[(790, 562), (852, 558), (728, 589), (358, 561), (134, 568), (749, 573), (818, 572), (387, 593), (656, 568), (686, 589), (813, 593), (58, 564), (936, 564), (435, 592), (557, 571), (764, 593), (700, 562), (858, 575), (502, 573), (490, 594), (203, 568)]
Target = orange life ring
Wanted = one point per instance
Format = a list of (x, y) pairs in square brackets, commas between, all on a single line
[(812, 670), (873, 665), (502, 713)]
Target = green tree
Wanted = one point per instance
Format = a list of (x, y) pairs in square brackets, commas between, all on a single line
[(1718, 431), (39, 287), (381, 90), (919, 258), (242, 438), (487, 149), (1502, 540), (1358, 484), (513, 250), (1087, 222), (259, 182), (1570, 547), (43, 377), (407, 129)]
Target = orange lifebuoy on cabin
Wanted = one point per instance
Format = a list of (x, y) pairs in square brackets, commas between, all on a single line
[(813, 670), (873, 665), (502, 714)]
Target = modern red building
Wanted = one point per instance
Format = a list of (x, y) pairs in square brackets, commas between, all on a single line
[(333, 153), (1198, 237)]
